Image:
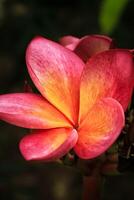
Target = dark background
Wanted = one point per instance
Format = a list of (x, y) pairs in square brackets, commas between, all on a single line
[(20, 21)]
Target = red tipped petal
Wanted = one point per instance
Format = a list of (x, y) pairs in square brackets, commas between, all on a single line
[(56, 72), (30, 111), (108, 74), (100, 128), (91, 45), (48, 144)]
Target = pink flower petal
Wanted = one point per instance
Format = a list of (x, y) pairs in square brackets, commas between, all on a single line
[(91, 45), (48, 144), (30, 111), (56, 72), (71, 46), (100, 128), (108, 74), (69, 41)]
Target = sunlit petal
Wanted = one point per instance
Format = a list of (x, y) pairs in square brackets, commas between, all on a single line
[(108, 74), (48, 144), (100, 128), (56, 72), (30, 111)]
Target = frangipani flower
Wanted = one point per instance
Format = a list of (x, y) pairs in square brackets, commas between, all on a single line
[(81, 106)]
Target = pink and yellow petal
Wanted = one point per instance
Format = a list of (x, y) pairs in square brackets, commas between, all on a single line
[(91, 45), (108, 74), (56, 72), (48, 144), (100, 129), (30, 111)]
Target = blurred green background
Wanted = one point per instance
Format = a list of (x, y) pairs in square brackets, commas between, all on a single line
[(20, 21)]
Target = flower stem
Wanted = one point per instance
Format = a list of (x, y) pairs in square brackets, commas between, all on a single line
[(92, 184), (91, 188)]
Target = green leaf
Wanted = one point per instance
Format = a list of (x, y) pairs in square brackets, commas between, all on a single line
[(110, 13)]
